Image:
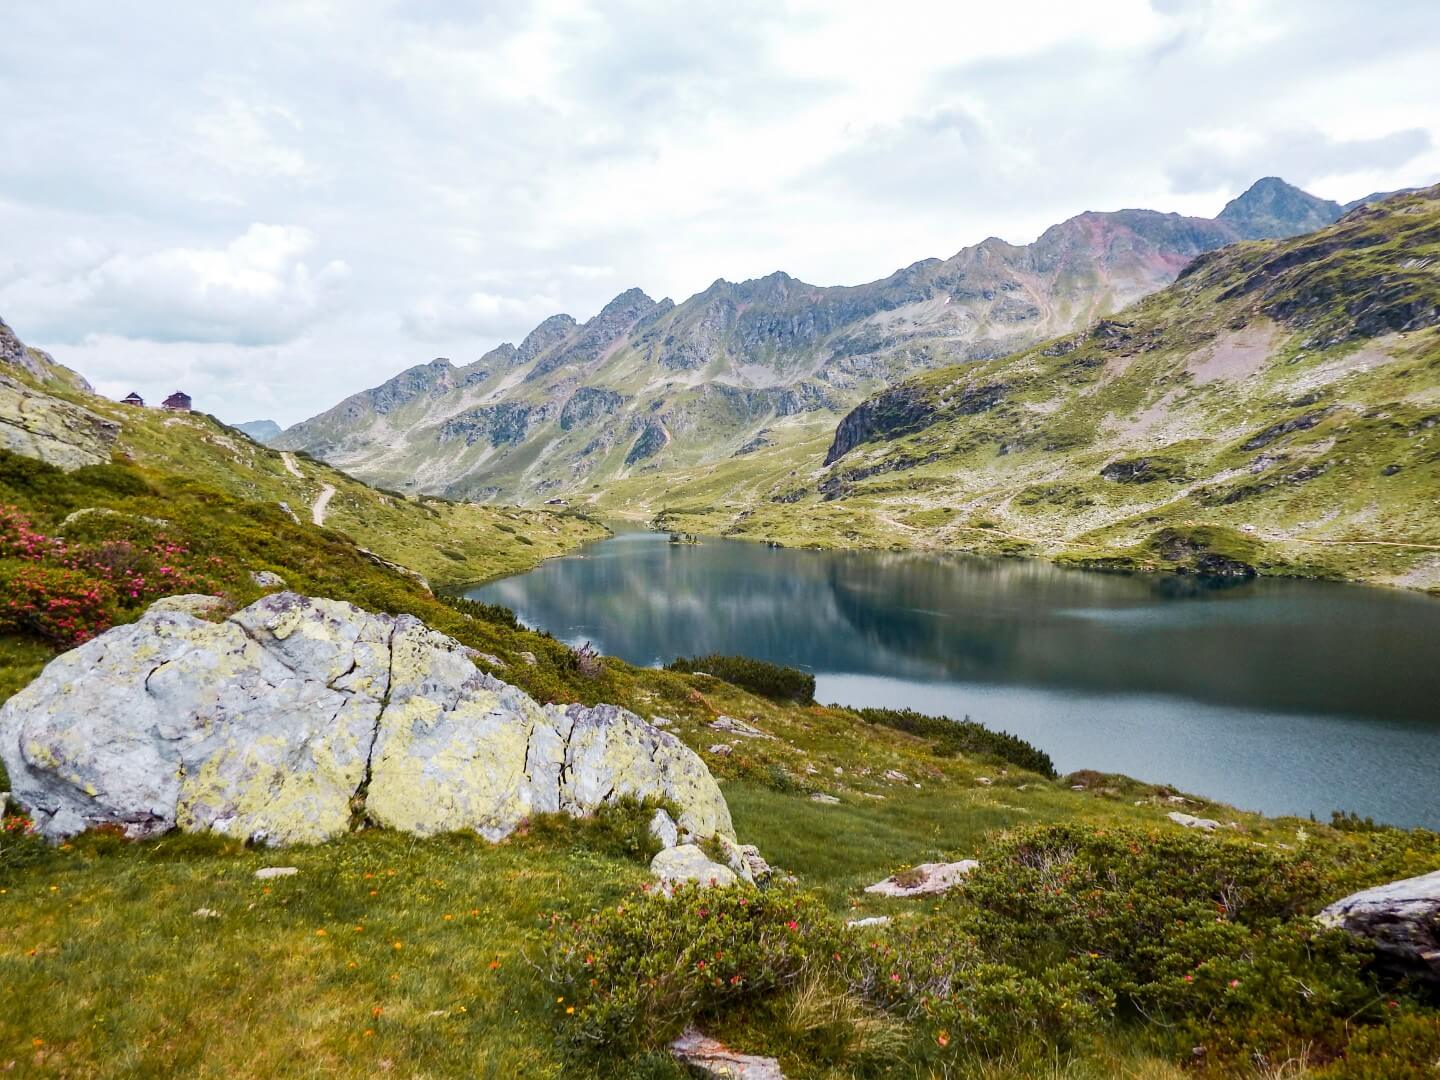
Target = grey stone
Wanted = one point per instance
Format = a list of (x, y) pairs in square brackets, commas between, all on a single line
[(745, 860), (1192, 822), (739, 727), (926, 879), (664, 829), (1402, 921), (822, 797), (708, 1057), (269, 873), (267, 579), (295, 719), (687, 863)]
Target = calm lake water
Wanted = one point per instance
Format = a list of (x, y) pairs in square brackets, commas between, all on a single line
[(1280, 696)]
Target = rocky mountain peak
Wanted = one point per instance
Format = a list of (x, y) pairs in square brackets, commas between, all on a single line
[(1273, 209)]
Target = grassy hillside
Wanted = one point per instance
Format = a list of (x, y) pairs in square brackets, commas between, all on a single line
[(1278, 408), (448, 543), (452, 956)]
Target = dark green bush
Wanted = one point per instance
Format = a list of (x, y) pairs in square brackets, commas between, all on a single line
[(952, 737), (1211, 938), (638, 973), (498, 614), (758, 676)]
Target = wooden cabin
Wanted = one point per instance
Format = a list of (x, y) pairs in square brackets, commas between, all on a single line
[(179, 401), (133, 398)]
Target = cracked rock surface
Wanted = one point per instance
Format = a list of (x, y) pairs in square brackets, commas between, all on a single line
[(297, 719)]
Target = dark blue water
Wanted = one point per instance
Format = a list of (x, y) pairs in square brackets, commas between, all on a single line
[(1279, 696)]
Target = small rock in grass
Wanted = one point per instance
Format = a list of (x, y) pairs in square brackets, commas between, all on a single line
[(1077, 787), (664, 829), (528, 657), (984, 781), (265, 873), (267, 579), (873, 920), (205, 913), (708, 1057), (1192, 822), (925, 879), (721, 748), (687, 862), (746, 860), (896, 776), (739, 727), (661, 721), (821, 797)]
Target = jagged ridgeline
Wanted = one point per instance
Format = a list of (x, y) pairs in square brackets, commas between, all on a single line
[(1276, 409), (648, 387)]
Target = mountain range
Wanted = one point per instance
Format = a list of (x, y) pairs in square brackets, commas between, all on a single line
[(1276, 409), (647, 387)]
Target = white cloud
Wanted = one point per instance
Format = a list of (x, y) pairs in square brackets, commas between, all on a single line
[(256, 290), (477, 315), (450, 172)]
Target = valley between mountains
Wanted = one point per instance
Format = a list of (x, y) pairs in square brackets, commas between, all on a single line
[(1256, 392)]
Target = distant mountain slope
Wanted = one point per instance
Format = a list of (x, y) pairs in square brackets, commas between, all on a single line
[(49, 412), (262, 431), (647, 387), (1273, 208), (1278, 407)]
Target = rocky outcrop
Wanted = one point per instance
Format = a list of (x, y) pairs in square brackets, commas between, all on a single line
[(55, 431), (588, 404), (297, 719), (1402, 921), (890, 414), (927, 879)]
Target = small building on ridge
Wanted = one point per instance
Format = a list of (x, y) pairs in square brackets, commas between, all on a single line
[(133, 398), (179, 401)]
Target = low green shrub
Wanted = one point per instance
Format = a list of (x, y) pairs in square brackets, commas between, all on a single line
[(952, 737), (498, 614), (636, 974), (758, 676), (1207, 937)]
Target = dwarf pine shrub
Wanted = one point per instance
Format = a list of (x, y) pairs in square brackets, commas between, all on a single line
[(758, 676)]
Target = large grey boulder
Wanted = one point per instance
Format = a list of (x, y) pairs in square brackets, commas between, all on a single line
[(1401, 919), (296, 719)]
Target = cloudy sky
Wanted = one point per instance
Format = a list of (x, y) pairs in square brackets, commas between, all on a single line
[(274, 204)]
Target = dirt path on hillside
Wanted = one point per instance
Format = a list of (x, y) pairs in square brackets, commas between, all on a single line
[(322, 501), (291, 467)]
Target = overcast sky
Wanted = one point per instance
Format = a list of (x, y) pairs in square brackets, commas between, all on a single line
[(274, 204)]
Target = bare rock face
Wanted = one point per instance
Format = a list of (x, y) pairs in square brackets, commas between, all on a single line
[(925, 879), (1401, 919), (296, 719)]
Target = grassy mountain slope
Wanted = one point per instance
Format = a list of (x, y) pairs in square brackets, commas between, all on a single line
[(646, 387), (51, 413), (1278, 406)]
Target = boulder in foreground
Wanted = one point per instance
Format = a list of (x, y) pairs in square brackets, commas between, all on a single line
[(1401, 919), (297, 719)]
